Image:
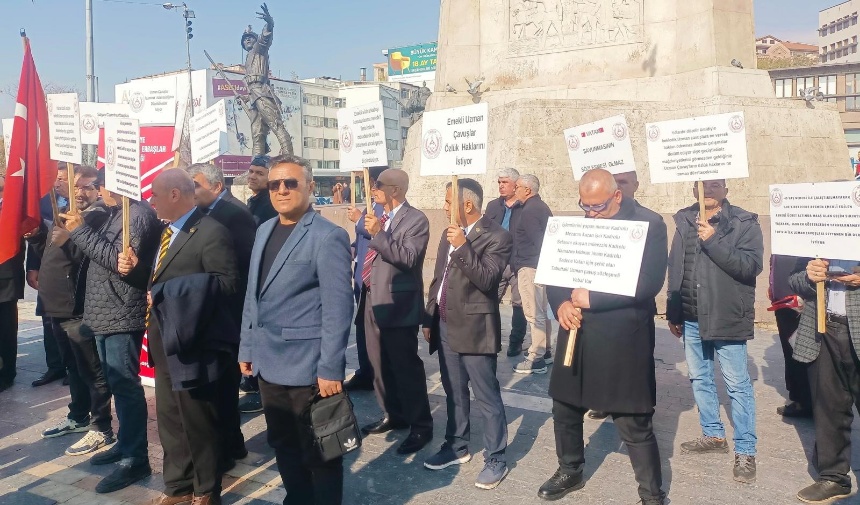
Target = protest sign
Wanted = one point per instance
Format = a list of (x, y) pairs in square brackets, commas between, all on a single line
[(122, 157), (602, 144), (64, 127), (93, 115), (152, 101), (454, 141), (362, 137), (698, 149), (209, 133), (602, 255), (816, 220)]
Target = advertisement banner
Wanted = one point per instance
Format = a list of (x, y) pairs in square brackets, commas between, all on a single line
[(454, 141), (93, 118), (411, 61), (362, 137), (602, 144), (64, 127)]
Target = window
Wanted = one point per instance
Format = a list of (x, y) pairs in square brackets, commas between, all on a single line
[(852, 103), (404, 132), (827, 84), (330, 122), (404, 113), (327, 164), (392, 124), (404, 93), (312, 99), (331, 143), (313, 121), (392, 145), (389, 103), (782, 87), (803, 83)]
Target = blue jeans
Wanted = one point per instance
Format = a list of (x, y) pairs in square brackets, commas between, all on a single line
[(733, 363), (120, 356)]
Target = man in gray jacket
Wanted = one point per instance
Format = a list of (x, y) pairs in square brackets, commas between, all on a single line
[(713, 266)]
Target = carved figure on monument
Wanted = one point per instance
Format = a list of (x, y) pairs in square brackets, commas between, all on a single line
[(623, 13), (416, 104), (264, 107)]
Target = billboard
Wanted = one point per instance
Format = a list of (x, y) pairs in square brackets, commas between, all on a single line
[(412, 63)]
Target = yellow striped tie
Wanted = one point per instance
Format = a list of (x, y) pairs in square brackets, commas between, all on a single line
[(162, 252)]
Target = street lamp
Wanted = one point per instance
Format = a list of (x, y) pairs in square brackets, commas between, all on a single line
[(188, 14)]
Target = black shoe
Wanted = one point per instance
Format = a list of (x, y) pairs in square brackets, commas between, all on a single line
[(384, 425), (414, 443), (5, 384), (559, 485), (597, 414), (250, 403), (794, 409), (239, 453), (49, 377), (358, 383), (124, 476), (66, 380), (823, 491), (107, 457), (514, 349)]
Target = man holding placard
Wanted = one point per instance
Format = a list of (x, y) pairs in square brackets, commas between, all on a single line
[(618, 374), (713, 266)]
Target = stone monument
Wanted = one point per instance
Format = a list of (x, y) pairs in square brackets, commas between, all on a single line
[(548, 65)]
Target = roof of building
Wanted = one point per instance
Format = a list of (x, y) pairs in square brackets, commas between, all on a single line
[(799, 46)]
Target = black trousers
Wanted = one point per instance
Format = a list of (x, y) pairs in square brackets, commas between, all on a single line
[(234, 440), (796, 376), (636, 431), (8, 340), (307, 480), (835, 381), (400, 382), (87, 384), (53, 354), (365, 369)]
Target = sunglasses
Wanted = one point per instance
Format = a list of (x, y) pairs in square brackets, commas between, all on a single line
[(291, 184), (600, 207)]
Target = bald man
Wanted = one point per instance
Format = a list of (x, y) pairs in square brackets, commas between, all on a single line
[(618, 374)]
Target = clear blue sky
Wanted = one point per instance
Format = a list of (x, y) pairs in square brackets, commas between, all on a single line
[(313, 37)]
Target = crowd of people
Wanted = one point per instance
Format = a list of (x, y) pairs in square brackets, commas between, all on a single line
[(250, 308)]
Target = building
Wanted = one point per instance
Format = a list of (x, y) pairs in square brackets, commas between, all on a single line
[(772, 47), (838, 32)]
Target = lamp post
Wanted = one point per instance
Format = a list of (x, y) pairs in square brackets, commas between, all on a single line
[(188, 14)]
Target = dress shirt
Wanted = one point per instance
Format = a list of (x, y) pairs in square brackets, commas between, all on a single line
[(445, 273)]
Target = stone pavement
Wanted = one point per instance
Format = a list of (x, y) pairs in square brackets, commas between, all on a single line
[(34, 471)]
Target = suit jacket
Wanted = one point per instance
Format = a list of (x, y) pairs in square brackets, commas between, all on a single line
[(396, 282), (260, 206), (12, 277), (235, 216), (296, 330), (472, 286), (203, 246)]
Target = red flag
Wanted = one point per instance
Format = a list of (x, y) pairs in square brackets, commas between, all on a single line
[(30, 175)]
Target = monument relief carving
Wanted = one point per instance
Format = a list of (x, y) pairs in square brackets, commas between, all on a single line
[(547, 26)]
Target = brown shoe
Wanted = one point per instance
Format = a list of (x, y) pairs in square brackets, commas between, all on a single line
[(207, 499), (174, 500)]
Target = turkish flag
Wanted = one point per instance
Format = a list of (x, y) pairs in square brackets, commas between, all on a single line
[(30, 174)]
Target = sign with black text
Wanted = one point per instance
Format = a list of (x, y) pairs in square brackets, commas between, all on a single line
[(454, 141)]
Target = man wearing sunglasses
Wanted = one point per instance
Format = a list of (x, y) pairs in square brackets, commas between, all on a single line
[(613, 368)]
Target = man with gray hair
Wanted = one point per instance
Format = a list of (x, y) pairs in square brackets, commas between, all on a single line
[(527, 229), (500, 211)]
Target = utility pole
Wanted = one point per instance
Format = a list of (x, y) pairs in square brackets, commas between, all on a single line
[(90, 151), (188, 14)]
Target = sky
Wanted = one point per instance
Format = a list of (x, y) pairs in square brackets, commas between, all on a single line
[(313, 38)]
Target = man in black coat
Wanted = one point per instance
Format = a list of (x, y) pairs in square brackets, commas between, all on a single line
[(11, 290), (190, 419), (463, 323), (260, 204), (618, 374)]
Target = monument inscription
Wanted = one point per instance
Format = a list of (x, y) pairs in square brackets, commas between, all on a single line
[(548, 26)]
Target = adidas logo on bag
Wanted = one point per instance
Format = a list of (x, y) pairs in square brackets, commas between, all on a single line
[(350, 444)]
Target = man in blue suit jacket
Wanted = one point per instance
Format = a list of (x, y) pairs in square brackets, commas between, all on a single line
[(295, 326)]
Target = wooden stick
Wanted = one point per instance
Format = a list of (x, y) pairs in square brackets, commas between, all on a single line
[(701, 188), (571, 347), (352, 189), (55, 207), (821, 307), (455, 200), (126, 227), (176, 158), (368, 196), (70, 171)]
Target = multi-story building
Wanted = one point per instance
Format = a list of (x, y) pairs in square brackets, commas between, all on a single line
[(837, 33)]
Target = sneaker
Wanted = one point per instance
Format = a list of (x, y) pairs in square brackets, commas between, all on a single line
[(124, 476), (446, 457), (65, 427), (92, 441), (547, 356), (112, 455), (531, 366), (705, 445), (744, 470), (823, 491), (559, 485), (794, 409), (492, 474), (654, 500), (250, 403)]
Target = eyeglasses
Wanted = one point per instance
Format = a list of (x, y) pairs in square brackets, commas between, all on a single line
[(291, 184), (88, 187), (600, 207), (379, 185)]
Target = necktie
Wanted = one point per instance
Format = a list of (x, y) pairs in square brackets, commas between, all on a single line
[(162, 252), (443, 298), (370, 256)]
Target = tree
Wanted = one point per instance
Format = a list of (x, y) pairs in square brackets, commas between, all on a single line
[(2, 156), (49, 87)]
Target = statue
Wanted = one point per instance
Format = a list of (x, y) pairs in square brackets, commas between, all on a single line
[(263, 106), (415, 106)]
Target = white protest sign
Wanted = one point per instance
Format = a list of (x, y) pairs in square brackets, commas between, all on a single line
[(816, 220), (698, 149), (122, 156), (602, 144), (602, 255), (454, 141), (8, 124), (64, 127), (209, 133), (362, 137), (93, 116)]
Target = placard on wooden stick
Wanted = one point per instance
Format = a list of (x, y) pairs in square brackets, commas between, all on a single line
[(455, 141), (361, 137), (602, 144)]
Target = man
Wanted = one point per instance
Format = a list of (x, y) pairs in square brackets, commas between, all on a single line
[(11, 290), (527, 229), (346, 193), (295, 327), (114, 312), (192, 340), (786, 306), (463, 322), (260, 204), (613, 364), (62, 289), (394, 308), (363, 377), (500, 211), (713, 265), (834, 369)]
